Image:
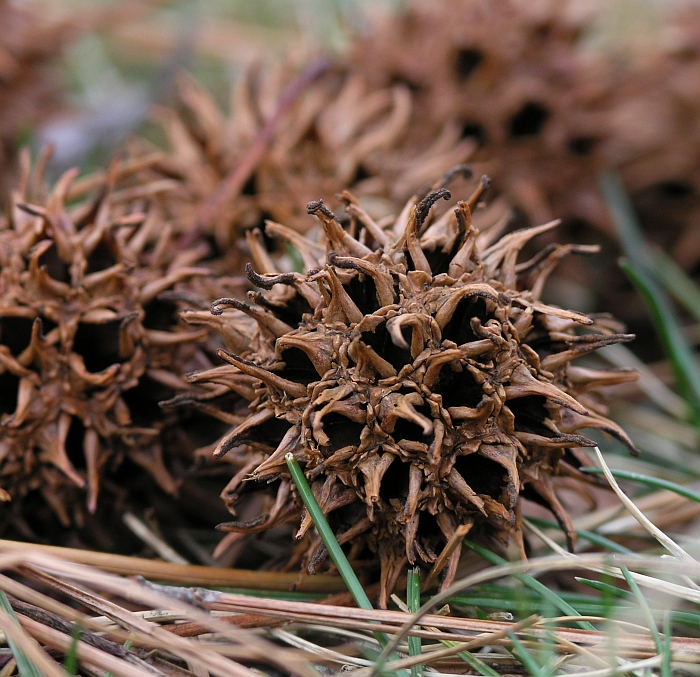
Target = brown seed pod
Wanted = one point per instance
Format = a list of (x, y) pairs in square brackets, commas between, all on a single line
[(552, 97), (87, 343), (289, 130), (418, 379)]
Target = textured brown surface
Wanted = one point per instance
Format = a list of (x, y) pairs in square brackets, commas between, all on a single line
[(29, 48), (286, 135), (417, 377), (521, 90), (552, 97), (90, 341)]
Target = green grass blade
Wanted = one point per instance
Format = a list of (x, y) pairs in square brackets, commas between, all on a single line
[(605, 587), (625, 220), (654, 482), (594, 607), (641, 267), (328, 537), (472, 661), (25, 667), (334, 550), (291, 595), (668, 327), (603, 542), (295, 258), (677, 282), (413, 604), (523, 655), (667, 653), (689, 618), (645, 609), (533, 584), (70, 664)]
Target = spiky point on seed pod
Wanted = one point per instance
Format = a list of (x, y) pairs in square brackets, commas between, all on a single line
[(418, 379), (86, 342)]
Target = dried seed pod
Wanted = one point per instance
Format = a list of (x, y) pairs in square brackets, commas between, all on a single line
[(88, 344), (286, 132), (487, 69), (423, 388), (552, 100), (518, 82)]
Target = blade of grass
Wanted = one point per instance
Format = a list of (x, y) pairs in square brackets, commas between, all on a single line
[(327, 536), (469, 658), (291, 595), (625, 220), (688, 618), (551, 564), (668, 328), (641, 601), (472, 661), (665, 540), (655, 389), (295, 258), (70, 664), (334, 550), (640, 268), (26, 667), (667, 655), (593, 607), (591, 536), (523, 655), (547, 654), (604, 587), (677, 282), (533, 584), (654, 482), (413, 603)]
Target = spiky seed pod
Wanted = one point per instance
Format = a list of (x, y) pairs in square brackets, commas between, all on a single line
[(553, 98), (510, 75), (85, 343), (418, 379), (288, 131)]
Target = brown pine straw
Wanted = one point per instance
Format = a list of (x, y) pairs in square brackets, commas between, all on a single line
[(28, 645), (85, 653), (142, 632), (389, 621), (189, 574), (98, 591)]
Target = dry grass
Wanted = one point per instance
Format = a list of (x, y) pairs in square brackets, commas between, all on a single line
[(131, 627)]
